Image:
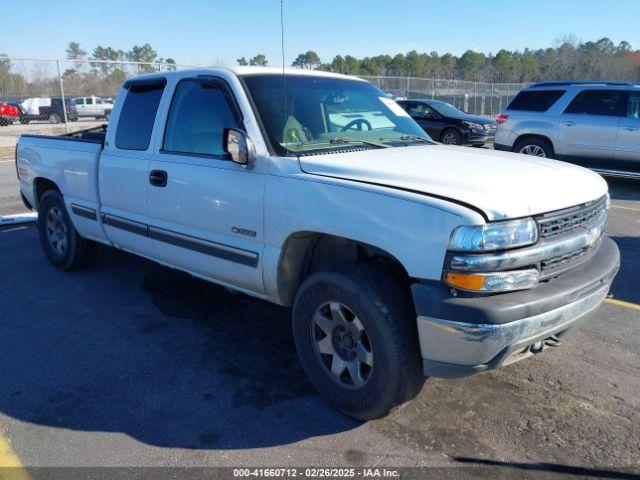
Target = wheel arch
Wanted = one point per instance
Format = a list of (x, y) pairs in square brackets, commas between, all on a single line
[(42, 185), (532, 136), (306, 252)]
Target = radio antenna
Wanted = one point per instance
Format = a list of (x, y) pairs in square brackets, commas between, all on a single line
[(284, 76)]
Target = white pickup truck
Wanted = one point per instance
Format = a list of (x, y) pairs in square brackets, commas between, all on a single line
[(93, 107), (401, 258)]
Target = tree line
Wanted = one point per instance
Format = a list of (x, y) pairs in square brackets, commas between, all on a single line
[(569, 60), (100, 72)]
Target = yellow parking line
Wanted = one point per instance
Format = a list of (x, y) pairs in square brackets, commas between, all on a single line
[(11, 467), (625, 208), (620, 303)]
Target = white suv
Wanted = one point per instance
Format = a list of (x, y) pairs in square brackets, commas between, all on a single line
[(593, 124)]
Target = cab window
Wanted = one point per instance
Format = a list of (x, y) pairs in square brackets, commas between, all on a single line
[(599, 102), (633, 107), (138, 114), (199, 113)]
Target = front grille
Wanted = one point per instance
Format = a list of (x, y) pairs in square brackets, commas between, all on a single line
[(566, 221), (561, 262), (559, 225)]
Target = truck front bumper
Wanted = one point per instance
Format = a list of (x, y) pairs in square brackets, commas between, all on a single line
[(464, 335)]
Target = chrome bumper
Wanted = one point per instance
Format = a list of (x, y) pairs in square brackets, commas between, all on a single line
[(454, 349)]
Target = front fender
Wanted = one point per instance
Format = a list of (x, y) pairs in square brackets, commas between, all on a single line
[(413, 228)]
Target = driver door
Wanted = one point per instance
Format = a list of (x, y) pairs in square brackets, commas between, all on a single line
[(430, 121)]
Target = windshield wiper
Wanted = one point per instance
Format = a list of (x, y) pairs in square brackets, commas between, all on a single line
[(343, 141), (356, 140), (407, 137)]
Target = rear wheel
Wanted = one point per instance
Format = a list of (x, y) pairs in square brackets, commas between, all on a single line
[(59, 239), (451, 136), (54, 118), (535, 147), (357, 341)]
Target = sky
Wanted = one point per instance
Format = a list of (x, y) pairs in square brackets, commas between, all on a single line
[(217, 32)]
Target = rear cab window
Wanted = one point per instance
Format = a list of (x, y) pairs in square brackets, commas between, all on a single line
[(135, 124), (535, 100)]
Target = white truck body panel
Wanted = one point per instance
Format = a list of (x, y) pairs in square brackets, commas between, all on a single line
[(501, 184)]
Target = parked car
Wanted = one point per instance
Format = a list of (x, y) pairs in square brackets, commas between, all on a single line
[(8, 114), (53, 112), (93, 107), (593, 124), (400, 257), (22, 113), (450, 125)]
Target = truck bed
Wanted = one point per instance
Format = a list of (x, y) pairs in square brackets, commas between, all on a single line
[(70, 161), (92, 135)]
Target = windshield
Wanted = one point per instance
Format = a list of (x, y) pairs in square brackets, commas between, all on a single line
[(447, 109), (324, 114)]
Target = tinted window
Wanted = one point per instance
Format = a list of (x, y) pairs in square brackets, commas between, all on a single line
[(197, 118), (535, 101), (135, 123), (599, 102), (89, 101), (421, 110), (79, 101), (633, 107)]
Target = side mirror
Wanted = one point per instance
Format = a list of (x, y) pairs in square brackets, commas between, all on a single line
[(239, 146)]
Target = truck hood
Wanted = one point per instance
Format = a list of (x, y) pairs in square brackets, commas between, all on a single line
[(502, 185)]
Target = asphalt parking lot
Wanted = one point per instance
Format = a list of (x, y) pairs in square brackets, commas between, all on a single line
[(127, 363)]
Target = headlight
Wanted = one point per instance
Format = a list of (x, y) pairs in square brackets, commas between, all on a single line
[(474, 126), (494, 236), (493, 282)]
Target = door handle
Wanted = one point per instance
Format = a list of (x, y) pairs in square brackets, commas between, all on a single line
[(158, 178), (629, 129), (569, 124)]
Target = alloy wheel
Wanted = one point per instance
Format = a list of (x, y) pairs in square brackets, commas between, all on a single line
[(533, 150), (57, 233), (341, 345), (450, 138)]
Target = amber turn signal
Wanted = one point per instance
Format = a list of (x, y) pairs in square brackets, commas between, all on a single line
[(465, 281)]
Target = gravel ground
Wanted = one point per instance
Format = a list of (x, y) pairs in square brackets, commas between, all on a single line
[(127, 363)]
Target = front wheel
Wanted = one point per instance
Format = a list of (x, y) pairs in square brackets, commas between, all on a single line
[(59, 239), (357, 341), (451, 136), (54, 118)]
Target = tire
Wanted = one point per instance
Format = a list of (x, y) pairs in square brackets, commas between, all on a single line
[(54, 118), (390, 373), (451, 136), (59, 239), (538, 147)]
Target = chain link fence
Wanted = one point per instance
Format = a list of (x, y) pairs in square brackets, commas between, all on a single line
[(52, 97), (479, 98)]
